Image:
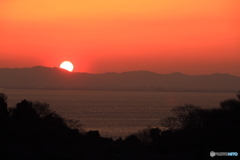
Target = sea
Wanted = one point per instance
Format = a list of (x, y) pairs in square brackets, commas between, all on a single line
[(116, 113)]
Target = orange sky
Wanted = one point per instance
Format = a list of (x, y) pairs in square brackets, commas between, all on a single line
[(163, 36)]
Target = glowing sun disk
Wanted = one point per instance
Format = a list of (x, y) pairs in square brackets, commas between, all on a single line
[(67, 65)]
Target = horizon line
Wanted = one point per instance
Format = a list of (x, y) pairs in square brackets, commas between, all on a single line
[(177, 72)]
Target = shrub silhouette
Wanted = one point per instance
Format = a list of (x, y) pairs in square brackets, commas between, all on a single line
[(148, 136), (132, 140), (93, 134), (155, 134)]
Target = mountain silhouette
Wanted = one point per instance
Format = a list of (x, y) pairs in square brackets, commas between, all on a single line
[(40, 77)]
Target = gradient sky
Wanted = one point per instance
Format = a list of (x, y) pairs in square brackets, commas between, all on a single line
[(164, 36)]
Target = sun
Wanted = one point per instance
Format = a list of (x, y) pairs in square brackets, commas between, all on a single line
[(67, 65)]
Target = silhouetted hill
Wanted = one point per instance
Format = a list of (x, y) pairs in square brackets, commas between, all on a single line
[(55, 78)]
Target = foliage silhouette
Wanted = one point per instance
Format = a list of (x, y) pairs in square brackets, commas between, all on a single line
[(3, 106), (182, 118), (213, 129), (33, 131)]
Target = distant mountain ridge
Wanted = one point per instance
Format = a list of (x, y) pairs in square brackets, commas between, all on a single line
[(40, 77)]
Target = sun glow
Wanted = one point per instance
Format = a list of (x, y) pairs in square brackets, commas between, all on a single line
[(67, 65)]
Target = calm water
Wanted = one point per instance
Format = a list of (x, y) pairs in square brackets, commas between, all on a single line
[(115, 113)]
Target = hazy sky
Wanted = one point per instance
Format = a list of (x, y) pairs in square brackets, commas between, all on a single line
[(163, 36)]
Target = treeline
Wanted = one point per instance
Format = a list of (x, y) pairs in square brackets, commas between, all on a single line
[(32, 131)]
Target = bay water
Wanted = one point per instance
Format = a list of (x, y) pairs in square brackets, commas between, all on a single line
[(116, 113)]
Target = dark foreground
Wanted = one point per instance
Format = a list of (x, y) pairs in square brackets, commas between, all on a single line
[(31, 131)]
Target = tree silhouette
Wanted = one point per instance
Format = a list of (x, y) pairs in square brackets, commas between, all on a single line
[(42, 109), (132, 140), (238, 94), (213, 128), (74, 124), (182, 117), (38, 132), (25, 112), (230, 104), (3, 106), (33, 131)]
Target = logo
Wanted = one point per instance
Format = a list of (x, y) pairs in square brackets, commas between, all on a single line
[(212, 154)]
